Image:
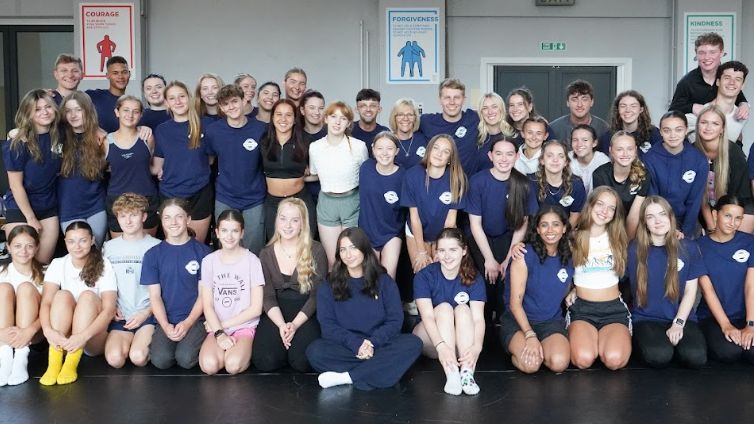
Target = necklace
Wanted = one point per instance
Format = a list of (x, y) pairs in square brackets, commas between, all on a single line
[(287, 255), (549, 190), (407, 151)]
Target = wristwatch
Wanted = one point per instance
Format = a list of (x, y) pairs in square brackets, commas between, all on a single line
[(750, 323), (219, 333), (680, 322)]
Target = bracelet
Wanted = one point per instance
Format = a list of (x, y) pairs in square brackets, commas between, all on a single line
[(529, 334), (439, 343), (423, 252)]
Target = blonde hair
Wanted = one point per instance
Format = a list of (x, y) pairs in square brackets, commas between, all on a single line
[(616, 231), (637, 173), (644, 242), (199, 105), (306, 267), (27, 131), (393, 120), (130, 202), (459, 185), (504, 127), (195, 124), (721, 164)]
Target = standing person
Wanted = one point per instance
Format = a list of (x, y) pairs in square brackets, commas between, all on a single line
[(678, 172), (599, 322), (555, 183), (32, 160), (78, 303), (20, 287), (240, 184), (520, 108), (625, 174), (533, 330), (172, 270), (205, 97), (433, 191), (359, 310), (697, 88), (492, 127), (535, 133), (118, 75), (335, 159), (295, 85), (726, 315), (130, 159), (294, 265), (248, 85), (462, 125), (81, 187), (312, 116), (285, 158), (404, 122), (130, 332), (269, 94), (584, 158), (67, 72), (630, 113), (153, 89), (380, 213), (664, 272), (579, 100), (450, 296), (368, 106), (181, 161), (231, 320)]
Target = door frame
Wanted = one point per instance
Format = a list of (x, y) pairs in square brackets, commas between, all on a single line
[(623, 65)]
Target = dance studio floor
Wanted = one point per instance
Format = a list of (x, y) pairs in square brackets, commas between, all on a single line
[(716, 394)]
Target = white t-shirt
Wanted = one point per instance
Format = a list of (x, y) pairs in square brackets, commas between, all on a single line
[(597, 272), (14, 278), (337, 166), (585, 172), (733, 127), (62, 273)]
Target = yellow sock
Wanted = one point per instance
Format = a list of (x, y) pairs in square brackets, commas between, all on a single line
[(68, 373), (55, 362)]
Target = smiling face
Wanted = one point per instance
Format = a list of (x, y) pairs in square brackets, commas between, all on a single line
[(313, 111), (268, 95), (178, 100), (337, 123), (131, 221), (657, 220), (405, 119), (229, 232), (580, 105), (154, 91), (451, 100), (518, 108), (118, 75), (384, 151), (710, 127), (708, 57), (174, 221), (673, 132), (78, 242), (551, 229), (503, 156), (288, 223), (368, 110), (728, 219), (583, 143), (351, 256), (623, 150), (232, 107), (604, 209), (22, 249), (730, 83), (295, 85), (629, 110), (44, 114), (439, 155), (282, 119), (450, 254), (129, 113), (535, 134), (554, 158), (249, 87), (491, 112), (208, 89), (68, 75), (74, 114)]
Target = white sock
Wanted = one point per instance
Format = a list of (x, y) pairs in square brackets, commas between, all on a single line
[(331, 378), (20, 361), (468, 385), (453, 383), (6, 363)]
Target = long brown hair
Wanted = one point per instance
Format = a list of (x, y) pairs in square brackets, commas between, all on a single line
[(644, 243), (616, 231), (459, 185), (467, 271), (85, 155), (644, 122), (27, 136), (195, 123)]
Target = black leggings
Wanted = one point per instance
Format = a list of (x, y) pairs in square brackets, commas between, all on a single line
[(269, 352), (657, 351), (720, 348), (499, 246)]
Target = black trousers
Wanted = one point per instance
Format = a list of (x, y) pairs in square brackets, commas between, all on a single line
[(499, 246), (657, 351), (720, 348)]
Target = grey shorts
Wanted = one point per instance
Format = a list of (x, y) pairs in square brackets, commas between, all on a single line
[(333, 211)]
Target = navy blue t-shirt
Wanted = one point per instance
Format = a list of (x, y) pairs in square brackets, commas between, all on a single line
[(78, 196), (572, 203), (177, 269), (546, 286), (488, 198), (411, 151), (152, 118), (380, 213), (430, 283), (104, 102), (465, 132), (240, 179), (483, 161), (727, 265), (433, 202), (367, 136), (39, 177), (185, 171), (658, 307)]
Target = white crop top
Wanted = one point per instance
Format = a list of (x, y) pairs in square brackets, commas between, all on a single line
[(597, 272)]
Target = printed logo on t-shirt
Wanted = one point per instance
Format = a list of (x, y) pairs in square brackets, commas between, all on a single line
[(391, 197), (192, 267), (57, 149), (566, 201), (250, 144), (680, 264), (634, 189), (446, 198), (460, 132), (741, 255), (689, 176), (127, 156), (130, 270), (462, 298), (562, 275), (645, 146), (421, 151)]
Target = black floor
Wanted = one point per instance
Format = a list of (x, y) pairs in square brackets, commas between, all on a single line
[(716, 394)]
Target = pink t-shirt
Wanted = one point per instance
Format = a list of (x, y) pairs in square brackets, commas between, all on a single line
[(231, 285)]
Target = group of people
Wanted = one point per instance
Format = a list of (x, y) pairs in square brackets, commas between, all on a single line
[(499, 216)]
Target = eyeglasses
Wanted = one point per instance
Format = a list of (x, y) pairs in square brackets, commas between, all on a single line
[(405, 115)]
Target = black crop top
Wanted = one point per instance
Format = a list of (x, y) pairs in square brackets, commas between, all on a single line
[(285, 166)]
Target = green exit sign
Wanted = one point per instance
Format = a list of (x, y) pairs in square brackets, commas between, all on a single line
[(553, 46)]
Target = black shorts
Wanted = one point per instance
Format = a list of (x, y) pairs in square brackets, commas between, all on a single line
[(14, 216), (118, 325), (201, 204), (151, 222), (544, 329), (600, 314)]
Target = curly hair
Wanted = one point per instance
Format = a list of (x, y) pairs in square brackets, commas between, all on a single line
[(566, 174), (535, 240)]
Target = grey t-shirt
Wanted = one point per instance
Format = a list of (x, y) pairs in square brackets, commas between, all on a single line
[(563, 126), (126, 257)]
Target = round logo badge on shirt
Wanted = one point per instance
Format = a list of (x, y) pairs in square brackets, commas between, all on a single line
[(562, 275), (446, 198), (421, 151), (741, 255), (689, 176), (566, 201), (645, 146), (192, 267), (460, 132), (391, 197), (680, 264), (462, 298), (250, 144)]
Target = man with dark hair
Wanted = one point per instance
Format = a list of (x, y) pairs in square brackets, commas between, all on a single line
[(104, 101), (579, 99), (730, 82), (368, 106), (698, 87)]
